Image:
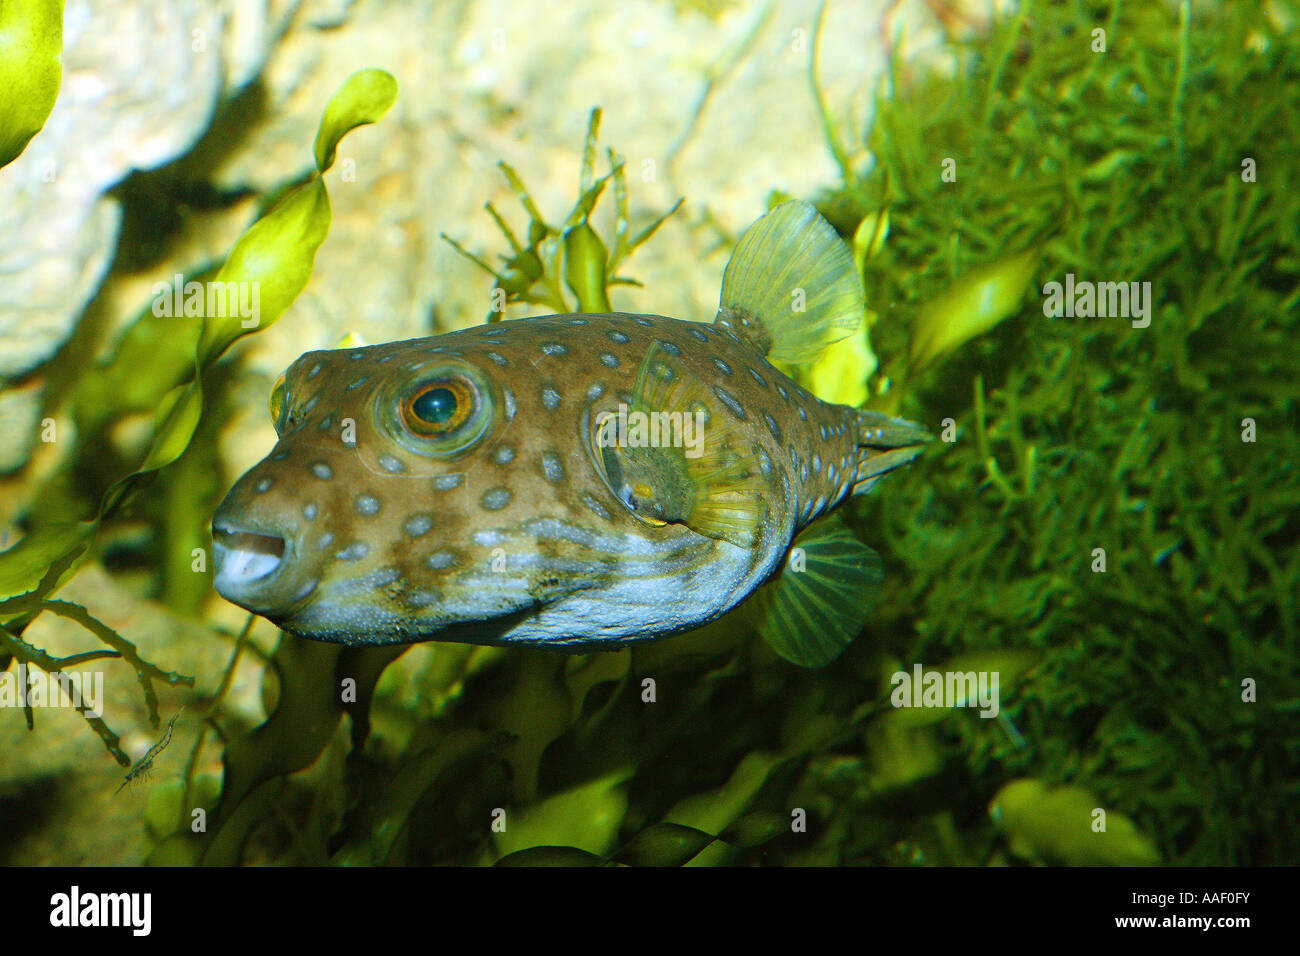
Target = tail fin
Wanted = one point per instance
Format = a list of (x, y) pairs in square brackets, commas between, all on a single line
[(885, 443), (791, 287)]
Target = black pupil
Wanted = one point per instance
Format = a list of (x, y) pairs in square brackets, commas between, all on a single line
[(436, 406)]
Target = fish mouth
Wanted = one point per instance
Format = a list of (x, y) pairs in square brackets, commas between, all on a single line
[(246, 562)]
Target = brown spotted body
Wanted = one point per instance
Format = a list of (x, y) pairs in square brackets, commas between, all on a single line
[(454, 487), (384, 545)]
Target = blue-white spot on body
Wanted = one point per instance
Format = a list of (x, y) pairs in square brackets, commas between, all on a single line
[(418, 525), (494, 499), (731, 403), (552, 467)]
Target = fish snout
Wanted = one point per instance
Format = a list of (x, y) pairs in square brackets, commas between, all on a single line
[(256, 550)]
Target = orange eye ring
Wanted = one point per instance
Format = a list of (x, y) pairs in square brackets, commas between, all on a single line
[(439, 407), (441, 414)]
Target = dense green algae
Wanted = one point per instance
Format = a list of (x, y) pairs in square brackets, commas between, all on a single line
[(1171, 159)]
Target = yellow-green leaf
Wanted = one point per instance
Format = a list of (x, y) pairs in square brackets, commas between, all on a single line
[(364, 98), (870, 238), (714, 810), (584, 267), (971, 306), (563, 856), (178, 416), (840, 373), (352, 340), (1008, 664), (1067, 824), (586, 817), (153, 356), (31, 50), (24, 564), (664, 844), (275, 257)]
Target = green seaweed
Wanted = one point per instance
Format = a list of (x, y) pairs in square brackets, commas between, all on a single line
[(1071, 435), (165, 369), (571, 254)]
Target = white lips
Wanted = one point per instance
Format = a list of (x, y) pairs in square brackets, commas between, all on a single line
[(241, 559), (236, 567)]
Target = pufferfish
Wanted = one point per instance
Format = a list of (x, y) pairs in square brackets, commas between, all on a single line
[(576, 481)]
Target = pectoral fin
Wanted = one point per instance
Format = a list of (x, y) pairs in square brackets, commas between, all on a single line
[(811, 610), (711, 483)]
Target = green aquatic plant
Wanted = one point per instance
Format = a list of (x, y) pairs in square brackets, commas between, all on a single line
[(572, 254), (161, 364), (1117, 496), (1061, 825)]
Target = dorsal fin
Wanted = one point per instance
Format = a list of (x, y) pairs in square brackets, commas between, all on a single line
[(791, 287)]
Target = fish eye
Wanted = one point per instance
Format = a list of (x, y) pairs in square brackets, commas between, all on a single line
[(436, 406), (440, 414), (278, 393), (439, 407)]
